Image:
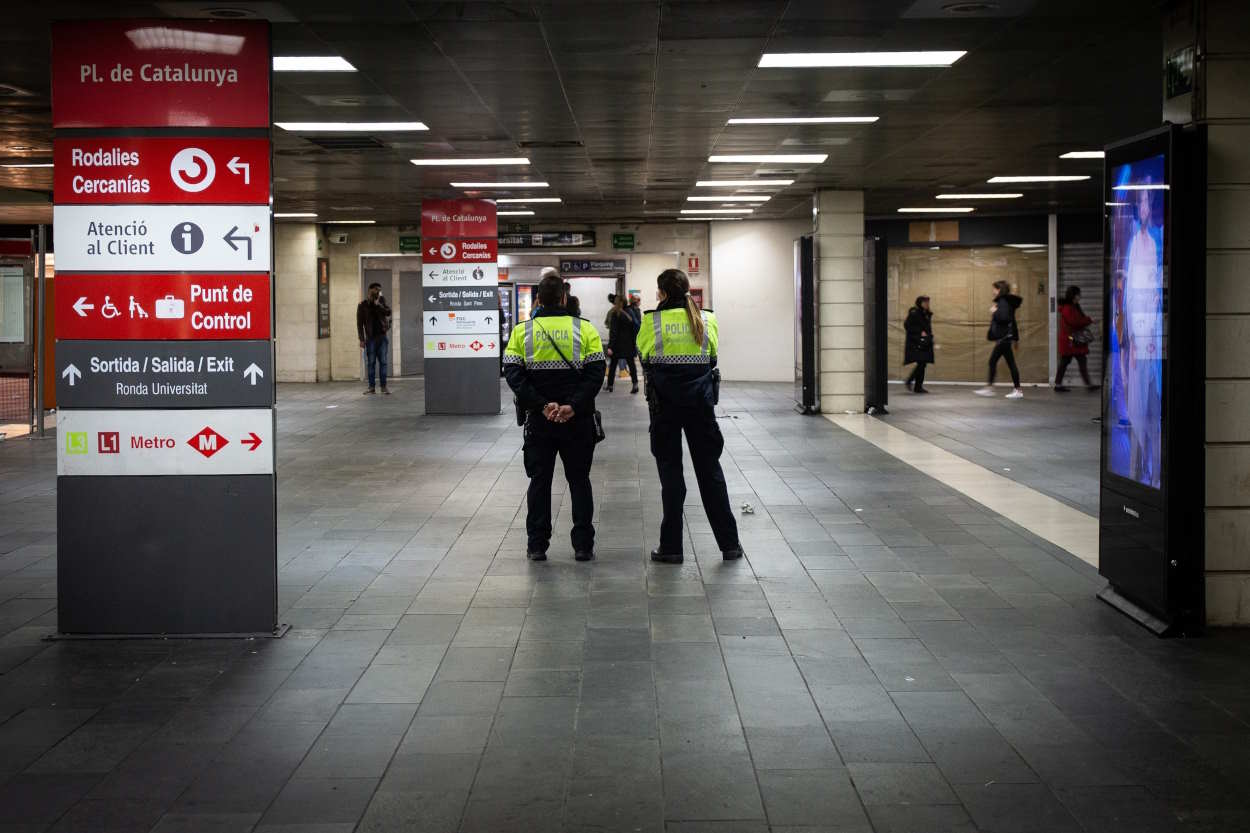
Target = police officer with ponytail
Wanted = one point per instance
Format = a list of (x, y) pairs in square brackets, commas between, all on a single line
[(677, 343)]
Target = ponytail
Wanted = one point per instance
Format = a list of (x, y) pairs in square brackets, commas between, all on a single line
[(695, 315)]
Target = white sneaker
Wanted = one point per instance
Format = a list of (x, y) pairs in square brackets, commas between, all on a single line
[(984, 391), (1015, 394)]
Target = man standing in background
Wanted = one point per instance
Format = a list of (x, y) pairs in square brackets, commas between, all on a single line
[(373, 324)]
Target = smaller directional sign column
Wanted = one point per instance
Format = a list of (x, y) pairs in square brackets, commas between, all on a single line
[(164, 353), (459, 279)]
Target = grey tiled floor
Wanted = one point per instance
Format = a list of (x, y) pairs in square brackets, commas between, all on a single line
[(1048, 441), (890, 658)]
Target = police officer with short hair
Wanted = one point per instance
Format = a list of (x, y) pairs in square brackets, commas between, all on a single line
[(554, 363), (677, 343)]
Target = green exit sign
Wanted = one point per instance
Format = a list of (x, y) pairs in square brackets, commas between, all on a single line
[(409, 245), (622, 240)]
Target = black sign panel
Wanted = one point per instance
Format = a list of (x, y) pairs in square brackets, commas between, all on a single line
[(461, 298), (323, 297), (164, 374), (615, 266), (546, 239)]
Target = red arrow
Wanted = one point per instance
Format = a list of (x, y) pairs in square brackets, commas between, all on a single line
[(252, 441)]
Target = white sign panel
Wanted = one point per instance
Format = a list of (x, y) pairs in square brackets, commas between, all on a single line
[(437, 322), (161, 238), (165, 442), (457, 274), (461, 346)]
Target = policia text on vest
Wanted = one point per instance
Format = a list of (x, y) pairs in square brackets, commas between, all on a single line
[(682, 391), (554, 363)]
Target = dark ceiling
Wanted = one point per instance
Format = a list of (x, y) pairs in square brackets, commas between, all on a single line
[(619, 104)]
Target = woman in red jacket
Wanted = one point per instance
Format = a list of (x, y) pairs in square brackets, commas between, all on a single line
[(1074, 338)]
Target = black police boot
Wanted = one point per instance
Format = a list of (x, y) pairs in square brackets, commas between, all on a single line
[(733, 554), (536, 555), (584, 555), (667, 557)]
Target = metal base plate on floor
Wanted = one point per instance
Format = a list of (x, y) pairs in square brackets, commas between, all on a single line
[(1147, 620), (276, 633)]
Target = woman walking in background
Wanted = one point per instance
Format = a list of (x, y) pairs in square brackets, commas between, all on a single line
[(1074, 338), (1004, 332), (622, 346), (918, 347)]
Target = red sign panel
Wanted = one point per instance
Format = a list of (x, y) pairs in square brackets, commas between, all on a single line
[(181, 171), (460, 251), (458, 218), (162, 307), (160, 73)]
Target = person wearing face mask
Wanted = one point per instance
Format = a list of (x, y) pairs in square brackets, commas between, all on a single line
[(677, 343)]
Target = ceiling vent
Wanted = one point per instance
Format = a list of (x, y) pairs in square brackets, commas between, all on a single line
[(550, 145), (342, 143)]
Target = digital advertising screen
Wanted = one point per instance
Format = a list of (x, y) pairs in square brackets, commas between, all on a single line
[(1136, 343)]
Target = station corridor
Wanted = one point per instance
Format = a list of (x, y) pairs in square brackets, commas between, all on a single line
[(891, 657)]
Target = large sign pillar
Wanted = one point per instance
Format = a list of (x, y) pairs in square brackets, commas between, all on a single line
[(166, 496), (459, 284)]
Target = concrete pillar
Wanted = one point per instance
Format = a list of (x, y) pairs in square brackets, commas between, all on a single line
[(1224, 106), (839, 225), (295, 303)]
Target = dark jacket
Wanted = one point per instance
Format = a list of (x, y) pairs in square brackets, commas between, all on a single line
[(1071, 319), (622, 335), (918, 348), (566, 386), (373, 321), (1003, 322)]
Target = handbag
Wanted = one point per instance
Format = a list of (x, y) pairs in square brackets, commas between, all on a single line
[(1083, 336), (596, 418)]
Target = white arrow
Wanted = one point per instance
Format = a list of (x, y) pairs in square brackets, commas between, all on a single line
[(80, 305), (234, 165), (252, 372), (431, 299), (72, 373)]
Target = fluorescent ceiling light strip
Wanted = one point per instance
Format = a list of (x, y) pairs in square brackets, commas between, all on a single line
[(514, 213), (527, 200), (709, 219), (27, 165), (807, 120), (499, 185), (760, 198), (717, 210), (1025, 245), (350, 222), (740, 183), (979, 196), (351, 126), (291, 215), (311, 63), (1149, 186), (1006, 179), (938, 209), (794, 158), (1083, 154), (446, 163), (1114, 204), (861, 59)]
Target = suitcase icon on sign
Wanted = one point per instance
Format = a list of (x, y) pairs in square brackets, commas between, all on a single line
[(170, 307)]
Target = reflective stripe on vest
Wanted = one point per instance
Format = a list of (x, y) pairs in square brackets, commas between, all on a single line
[(575, 336), (657, 321)]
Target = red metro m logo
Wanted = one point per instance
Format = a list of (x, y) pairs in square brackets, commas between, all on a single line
[(208, 442)]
